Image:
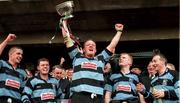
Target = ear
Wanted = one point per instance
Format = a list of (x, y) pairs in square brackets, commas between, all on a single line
[(130, 63), (95, 51), (83, 50), (38, 68)]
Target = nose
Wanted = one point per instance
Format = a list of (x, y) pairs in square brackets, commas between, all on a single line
[(90, 45), (21, 56)]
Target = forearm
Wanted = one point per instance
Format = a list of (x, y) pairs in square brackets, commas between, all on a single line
[(3, 45), (8, 39), (111, 47), (66, 36), (107, 98), (68, 41)]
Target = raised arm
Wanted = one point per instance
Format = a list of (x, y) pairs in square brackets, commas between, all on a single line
[(111, 47), (8, 39), (66, 35)]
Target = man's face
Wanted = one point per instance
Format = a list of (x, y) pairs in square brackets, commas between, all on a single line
[(89, 48), (151, 69), (43, 67), (157, 63), (58, 73), (16, 56), (70, 73), (124, 60)]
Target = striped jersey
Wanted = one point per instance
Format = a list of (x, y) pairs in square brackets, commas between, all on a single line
[(88, 72), (122, 86), (169, 83), (38, 90), (11, 80)]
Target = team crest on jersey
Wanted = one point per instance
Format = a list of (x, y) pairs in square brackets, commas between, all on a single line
[(48, 95), (131, 80), (165, 82), (126, 88), (12, 83), (38, 87), (54, 86), (89, 65)]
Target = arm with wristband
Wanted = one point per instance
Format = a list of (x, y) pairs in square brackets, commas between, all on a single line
[(115, 40), (66, 34)]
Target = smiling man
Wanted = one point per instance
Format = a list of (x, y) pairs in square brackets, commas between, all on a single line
[(12, 76), (165, 85), (43, 87), (87, 80)]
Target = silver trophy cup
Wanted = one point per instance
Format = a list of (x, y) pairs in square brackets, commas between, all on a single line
[(65, 9)]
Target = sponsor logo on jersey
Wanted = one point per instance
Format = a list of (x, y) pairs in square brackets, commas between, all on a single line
[(165, 82), (48, 95), (126, 88), (12, 83), (89, 65)]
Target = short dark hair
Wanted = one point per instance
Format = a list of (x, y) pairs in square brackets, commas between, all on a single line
[(13, 48), (57, 66), (42, 59), (88, 40), (129, 55), (162, 57)]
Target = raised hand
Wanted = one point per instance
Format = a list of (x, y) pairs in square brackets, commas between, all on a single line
[(10, 37), (119, 27)]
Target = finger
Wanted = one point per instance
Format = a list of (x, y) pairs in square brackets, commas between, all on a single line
[(119, 25), (12, 36)]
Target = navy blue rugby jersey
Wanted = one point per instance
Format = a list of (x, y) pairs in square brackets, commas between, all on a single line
[(123, 86), (11, 80), (38, 90), (88, 72)]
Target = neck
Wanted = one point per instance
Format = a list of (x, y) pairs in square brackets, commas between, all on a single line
[(162, 70), (125, 70), (14, 65), (89, 56), (44, 76)]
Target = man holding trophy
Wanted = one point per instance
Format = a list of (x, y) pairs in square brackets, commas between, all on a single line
[(87, 81)]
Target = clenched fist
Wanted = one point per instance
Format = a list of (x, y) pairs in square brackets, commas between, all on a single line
[(119, 27), (10, 37)]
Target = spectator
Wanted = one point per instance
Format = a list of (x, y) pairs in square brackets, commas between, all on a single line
[(64, 83), (58, 72)]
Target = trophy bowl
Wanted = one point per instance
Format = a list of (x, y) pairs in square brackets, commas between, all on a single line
[(65, 8)]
